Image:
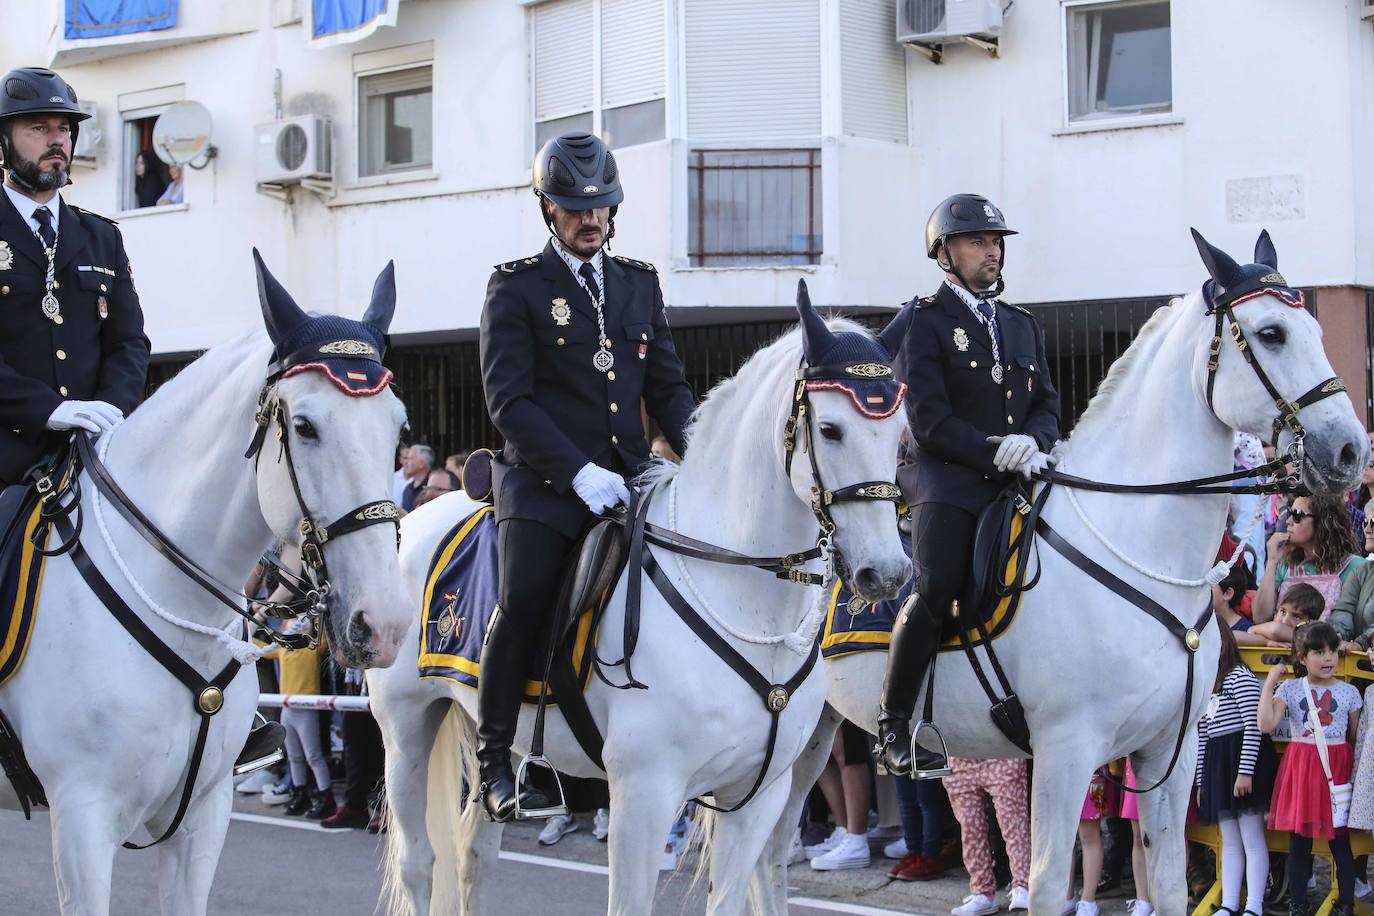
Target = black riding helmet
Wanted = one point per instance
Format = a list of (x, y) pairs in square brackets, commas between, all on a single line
[(576, 171), (962, 214), (34, 91)]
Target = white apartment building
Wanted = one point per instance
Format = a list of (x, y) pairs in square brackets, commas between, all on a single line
[(759, 141)]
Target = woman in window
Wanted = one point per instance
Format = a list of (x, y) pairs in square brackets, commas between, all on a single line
[(172, 194), (148, 181), (1318, 548)]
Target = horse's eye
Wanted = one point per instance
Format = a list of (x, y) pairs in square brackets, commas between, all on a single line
[(832, 432), (304, 428), (1272, 336)]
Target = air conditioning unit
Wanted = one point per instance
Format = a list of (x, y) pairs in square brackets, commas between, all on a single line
[(940, 21), (87, 150), (1367, 11), (292, 151)]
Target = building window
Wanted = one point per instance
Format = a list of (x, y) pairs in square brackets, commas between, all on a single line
[(143, 176), (626, 106), (1118, 60), (754, 207), (395, 121)]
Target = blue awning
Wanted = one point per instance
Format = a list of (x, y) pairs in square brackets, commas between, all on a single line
[(100, 18), (340, 21)]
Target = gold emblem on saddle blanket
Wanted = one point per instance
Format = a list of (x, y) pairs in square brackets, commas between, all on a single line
[(348, 348), (6, 255), (448, 618), (961, 340), (560, 311), (855, 606)]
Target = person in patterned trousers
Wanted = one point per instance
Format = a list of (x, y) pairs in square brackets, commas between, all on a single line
[(1004, 781)]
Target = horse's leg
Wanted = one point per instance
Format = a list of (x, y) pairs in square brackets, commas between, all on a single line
[(409, 730), (83, 848), (737, 841), (643, 803), (770, 877), (186, 862), (1163, 814), (1064, 765)]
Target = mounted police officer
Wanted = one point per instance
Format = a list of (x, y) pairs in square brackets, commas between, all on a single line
[(981, 407), (72, 350), (572, 340)]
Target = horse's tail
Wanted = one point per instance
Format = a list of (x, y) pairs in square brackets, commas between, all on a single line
[(450, 820), (698, 842)]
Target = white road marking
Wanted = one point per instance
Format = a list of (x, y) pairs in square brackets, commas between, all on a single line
[(835, 906), (283, 822), (549, 862)]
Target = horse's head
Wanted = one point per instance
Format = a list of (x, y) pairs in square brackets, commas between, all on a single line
[(1265, 372), (328, 427), (848, 417)]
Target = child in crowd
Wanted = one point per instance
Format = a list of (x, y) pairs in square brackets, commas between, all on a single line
[(1100, 802), (1236, 765), (300, 675), (1229, 597), (1004, 781), (1301, 603), (1302, 801)]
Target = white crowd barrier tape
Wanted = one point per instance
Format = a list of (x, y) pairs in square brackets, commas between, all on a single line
[(303, 701)]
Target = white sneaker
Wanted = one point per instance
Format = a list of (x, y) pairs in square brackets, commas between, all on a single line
[(796, 852), (850, 852), (255, 782), (1085, 908), (976, 905), (1018, 899), (896, 849), (601, 824), (1070, 907), (1362, 888), (1140, 907), (827, 844), (884, 835), (559, 826)]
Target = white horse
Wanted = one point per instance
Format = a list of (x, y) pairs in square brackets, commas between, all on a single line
[(1098, 677), (107, 730), (697, 729)]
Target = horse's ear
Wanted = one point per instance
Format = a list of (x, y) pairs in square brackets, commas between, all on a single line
[(1264, 251), (1218, 263), (892, 336), (816, 337), (383, 304), (280, 312)]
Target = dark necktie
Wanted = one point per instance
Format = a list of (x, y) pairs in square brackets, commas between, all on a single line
[(45, 230), (588, 274)]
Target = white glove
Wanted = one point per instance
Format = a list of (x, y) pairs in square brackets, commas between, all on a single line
[(599, 488), (1013, 451), (1034, 464), (93, 416)]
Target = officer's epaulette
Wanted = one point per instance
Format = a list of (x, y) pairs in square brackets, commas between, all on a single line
[(631, 262), (85, 212), (924, 302), (1017, 308), (519, 264)]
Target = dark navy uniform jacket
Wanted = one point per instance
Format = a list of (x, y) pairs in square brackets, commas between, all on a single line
[(97, 353), (953, 405), (555, 409)]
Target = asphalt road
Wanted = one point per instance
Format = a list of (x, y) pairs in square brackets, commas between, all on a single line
[(274, 866)]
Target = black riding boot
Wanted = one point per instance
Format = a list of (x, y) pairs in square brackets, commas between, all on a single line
[(500, 689), (915, 640), (264, 743)]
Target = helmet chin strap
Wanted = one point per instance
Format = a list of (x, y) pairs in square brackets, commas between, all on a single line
[(13, 174), (991, 293)]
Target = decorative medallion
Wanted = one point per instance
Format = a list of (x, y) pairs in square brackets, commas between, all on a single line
[(1193, 640), (997, 373), (378, 511), (961, 340), (445, 625), (348, 348), (989, 211), (855, 606), (603, 360), (1333, 386), (778, 699), (880, 491), (210, 701), (6, 255), (643, 350), (869, 370), (102, 308), (560, 311), (51, 307), (1275, 278)]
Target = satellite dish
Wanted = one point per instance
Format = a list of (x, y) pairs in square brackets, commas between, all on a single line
[(181, 134)]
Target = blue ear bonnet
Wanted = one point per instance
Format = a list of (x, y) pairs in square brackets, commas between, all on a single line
[(348, 352), (1233, 283), (855, 362)]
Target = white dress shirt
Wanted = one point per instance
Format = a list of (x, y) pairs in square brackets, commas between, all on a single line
[(26, 206)]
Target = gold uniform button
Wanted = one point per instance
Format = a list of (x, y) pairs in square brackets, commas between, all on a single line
[(561, 341), (1010, 420), (643, 336), (610, 376), (4, 290), (973, 364), (615, 440), (62, 390), (608, 343), (57, 319), (56, 284), (1008, 395), (615, 407), (103, 289), (61, 354)]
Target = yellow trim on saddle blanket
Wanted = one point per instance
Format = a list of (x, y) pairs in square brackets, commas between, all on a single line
[(468, 666), (837, 644), (24, 607)]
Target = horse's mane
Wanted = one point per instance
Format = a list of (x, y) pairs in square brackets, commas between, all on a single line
[(1146, 340), (212, 368), (717, 417)]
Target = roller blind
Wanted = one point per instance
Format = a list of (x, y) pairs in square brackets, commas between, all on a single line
[(872, 70), (562, 58), (632, 51)]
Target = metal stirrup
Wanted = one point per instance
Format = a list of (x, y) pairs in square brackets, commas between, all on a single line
[(522, 813), (939, 773)]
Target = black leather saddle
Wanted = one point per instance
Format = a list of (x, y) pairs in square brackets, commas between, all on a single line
[(997, 543)]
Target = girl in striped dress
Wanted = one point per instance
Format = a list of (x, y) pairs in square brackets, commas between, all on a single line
[(1235, 779)]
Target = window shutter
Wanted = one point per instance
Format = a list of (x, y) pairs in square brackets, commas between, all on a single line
[(633, 51), (753, 70), (562, 58), (872, 70)]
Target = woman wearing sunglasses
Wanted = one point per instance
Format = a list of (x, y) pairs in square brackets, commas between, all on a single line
[(1319, 548)]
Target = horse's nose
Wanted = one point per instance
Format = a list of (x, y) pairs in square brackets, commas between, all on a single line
[(876, 585), (1350, 456), (379, 644)]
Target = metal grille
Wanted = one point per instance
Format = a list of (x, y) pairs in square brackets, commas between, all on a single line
[(923, 17), (754, 207)]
